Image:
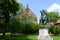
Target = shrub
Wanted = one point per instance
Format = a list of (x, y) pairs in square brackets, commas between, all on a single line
[(29, 28), (54, 29)]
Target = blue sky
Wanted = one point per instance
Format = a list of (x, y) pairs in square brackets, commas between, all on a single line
[(37, 5)]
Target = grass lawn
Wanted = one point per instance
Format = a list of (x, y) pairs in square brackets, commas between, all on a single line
[(56, 37), (25, 37)]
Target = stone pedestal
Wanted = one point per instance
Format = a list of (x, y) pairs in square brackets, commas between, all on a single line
[(44, 35)]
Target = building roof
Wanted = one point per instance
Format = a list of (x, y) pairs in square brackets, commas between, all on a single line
[(58, 21), (29, 12)]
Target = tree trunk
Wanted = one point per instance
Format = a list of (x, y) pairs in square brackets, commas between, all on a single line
[(4, 32), (6, 22)]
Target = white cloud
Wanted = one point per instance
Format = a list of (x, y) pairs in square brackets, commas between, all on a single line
[(55, 7)]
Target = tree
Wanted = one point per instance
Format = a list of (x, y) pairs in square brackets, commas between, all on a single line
[(52, 16), (7, 9), (15, 24)]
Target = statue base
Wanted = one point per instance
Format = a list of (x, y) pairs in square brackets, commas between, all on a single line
[(44, 35)]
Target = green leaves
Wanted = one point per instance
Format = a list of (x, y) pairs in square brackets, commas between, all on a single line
[(8, 7), (54, 29), (52, 16)]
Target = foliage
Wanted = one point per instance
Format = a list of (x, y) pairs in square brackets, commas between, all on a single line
[(52, 16), (41, 25), (7, 9), (54, 29), (29, 28), (20, 27)]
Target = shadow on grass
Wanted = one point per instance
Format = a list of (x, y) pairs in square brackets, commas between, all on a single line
[(14, 37)]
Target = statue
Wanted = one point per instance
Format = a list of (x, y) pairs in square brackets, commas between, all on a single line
[(44, 18), (43, 31)]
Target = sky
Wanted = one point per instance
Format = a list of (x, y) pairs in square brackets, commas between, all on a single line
[(37, 5)]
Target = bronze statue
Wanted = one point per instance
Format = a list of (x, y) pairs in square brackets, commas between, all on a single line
[(44, 18)]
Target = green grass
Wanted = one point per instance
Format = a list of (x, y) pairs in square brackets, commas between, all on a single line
[(56, 37), (25, 37)]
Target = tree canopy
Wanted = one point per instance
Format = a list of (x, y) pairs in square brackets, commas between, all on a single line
[(7, 9), (52, 16)]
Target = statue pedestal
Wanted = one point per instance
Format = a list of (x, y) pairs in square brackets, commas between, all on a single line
[(44, 35)]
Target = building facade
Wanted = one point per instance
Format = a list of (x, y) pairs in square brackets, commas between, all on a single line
[(27, 16)]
